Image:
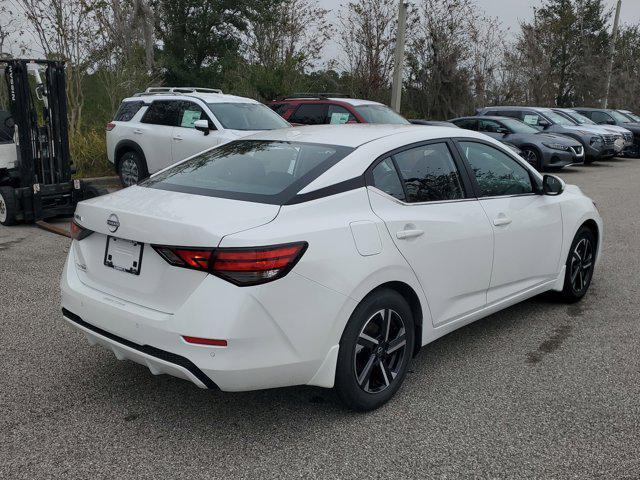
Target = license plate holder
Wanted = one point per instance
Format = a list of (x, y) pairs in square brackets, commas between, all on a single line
[(123, 255)]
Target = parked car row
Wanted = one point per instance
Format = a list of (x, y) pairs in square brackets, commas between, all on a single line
[(161, 126)]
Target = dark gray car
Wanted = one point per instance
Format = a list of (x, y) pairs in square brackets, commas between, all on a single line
[(604, 116), (542, 150), (597, 145)]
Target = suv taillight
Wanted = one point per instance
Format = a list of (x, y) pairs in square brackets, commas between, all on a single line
[(110, 126), (241, 266)]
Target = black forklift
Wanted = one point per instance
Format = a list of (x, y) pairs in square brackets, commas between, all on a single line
[(35, 165)]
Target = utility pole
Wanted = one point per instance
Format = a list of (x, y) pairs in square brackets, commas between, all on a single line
[(612, 53), (396, 87)]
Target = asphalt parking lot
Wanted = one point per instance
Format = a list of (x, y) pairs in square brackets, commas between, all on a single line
[(541, 390)]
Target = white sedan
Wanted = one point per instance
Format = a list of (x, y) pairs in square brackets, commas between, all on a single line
[(322, 255)]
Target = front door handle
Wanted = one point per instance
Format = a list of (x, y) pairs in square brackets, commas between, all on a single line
[(137, 131), (404, 234), (501, 219), (177, 138)]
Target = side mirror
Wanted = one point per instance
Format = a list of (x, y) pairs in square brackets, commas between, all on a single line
[(608, 122), (543, 123), (9, 123), (503, 130), (202, 126), (552, 185)]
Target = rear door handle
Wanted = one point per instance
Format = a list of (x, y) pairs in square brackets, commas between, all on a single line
[(404, 234), (501, 219), (177, 138)]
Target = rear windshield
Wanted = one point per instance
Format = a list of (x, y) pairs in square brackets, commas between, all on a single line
[(380, 114), (247, 116), (261, 171)]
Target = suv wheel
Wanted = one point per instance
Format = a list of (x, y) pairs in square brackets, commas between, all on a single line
[(8, 206), (375, 351), (131, 169)]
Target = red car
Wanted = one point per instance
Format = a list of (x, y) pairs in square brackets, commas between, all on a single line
[(319, 109)]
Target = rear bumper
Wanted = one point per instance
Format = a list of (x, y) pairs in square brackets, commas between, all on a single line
[(272, 341)]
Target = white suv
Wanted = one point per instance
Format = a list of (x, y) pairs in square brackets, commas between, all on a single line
[(161, 126)]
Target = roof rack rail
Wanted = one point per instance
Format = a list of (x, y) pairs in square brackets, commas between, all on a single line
[(176, 90), (321, 95)]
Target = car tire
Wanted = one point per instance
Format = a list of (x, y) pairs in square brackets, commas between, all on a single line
[(373, 359), (131, 168), (580, 265), (533, 157), (8, 206)]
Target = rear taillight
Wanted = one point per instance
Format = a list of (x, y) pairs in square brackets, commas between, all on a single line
[(110, 126), (78, 232), (240, 266)]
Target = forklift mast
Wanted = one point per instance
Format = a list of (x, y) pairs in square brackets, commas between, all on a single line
[(43, 146), (40, 184)]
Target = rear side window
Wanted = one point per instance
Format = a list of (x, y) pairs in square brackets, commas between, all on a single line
[(385, 178), (262, 171), (127, 111), (163, 112), (429, 174), (496, 173), (309, 114)]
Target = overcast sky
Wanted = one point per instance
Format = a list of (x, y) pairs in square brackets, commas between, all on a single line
[(509, 12)]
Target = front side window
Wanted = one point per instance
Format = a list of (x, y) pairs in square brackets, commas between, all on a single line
[(385, 178), (489, 126), (247, 116), (496, 173), (162, 112), (600, 117), (380, 114), (429, 174), (263, 171), (190, 113), (559, 119), (339, 115), (310, 114), (467, 123)]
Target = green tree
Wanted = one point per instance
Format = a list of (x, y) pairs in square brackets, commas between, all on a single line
[(201, 39)]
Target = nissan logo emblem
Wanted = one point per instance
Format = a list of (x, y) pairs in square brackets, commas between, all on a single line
[(113, 223)]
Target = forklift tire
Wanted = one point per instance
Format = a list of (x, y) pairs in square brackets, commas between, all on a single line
[(8, 206), (131, 169)]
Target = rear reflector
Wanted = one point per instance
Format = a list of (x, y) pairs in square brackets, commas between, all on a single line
[(240, 266), (78, 232), (110, 126), (205, 341)]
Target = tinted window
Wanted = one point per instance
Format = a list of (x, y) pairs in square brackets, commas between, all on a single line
[(189, 113), (467, 123), (429, 173), (505, 113), (496, 172), (309, 114), (337, 115), (279, 108), (247, 116), (600, 117), (490, 126), (385, 178), (127, 111), (259, 170), (6, 132), (380, 114), (162, 112)]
